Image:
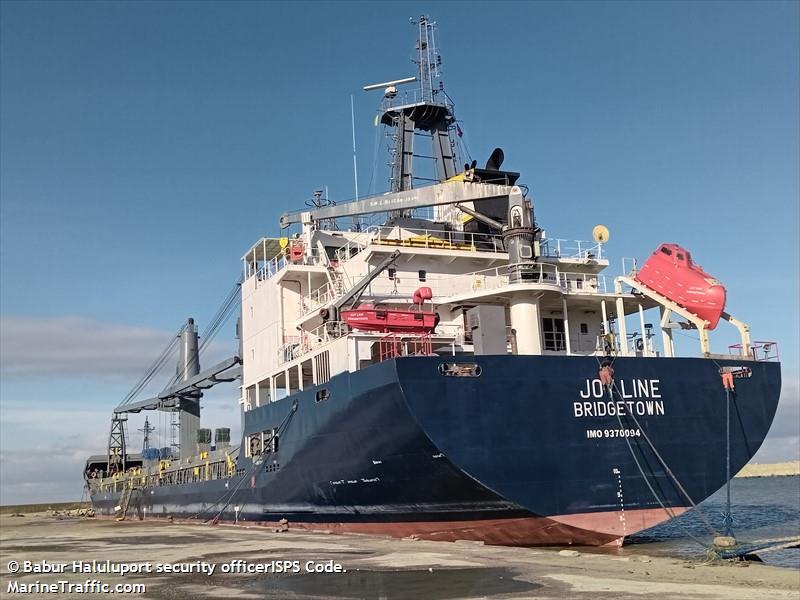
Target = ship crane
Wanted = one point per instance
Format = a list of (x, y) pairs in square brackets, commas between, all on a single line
[(351, 297), (185, 389)]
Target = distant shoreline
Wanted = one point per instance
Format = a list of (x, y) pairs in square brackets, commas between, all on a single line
[(783, 469)]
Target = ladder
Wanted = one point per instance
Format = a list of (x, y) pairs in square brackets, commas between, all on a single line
[(338, 285), (124, 502)]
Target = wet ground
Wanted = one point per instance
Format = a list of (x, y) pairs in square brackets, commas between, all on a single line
[(373, 567)]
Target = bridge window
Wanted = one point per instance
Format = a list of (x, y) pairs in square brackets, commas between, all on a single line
[(553, 334), (264, 393), (251, 396), (254, 447), (294, 379), (270, 438), (307, 374), (280, 385)]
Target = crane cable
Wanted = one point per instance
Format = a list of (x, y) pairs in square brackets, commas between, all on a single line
[(155, 368)]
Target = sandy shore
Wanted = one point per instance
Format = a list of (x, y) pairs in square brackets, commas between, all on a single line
[(770, 470), (375, 567)]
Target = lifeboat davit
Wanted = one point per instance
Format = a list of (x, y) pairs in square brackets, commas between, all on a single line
[(393, 320), (671, 272)]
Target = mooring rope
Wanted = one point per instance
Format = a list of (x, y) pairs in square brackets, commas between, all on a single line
[(639, 467), (279, 430)]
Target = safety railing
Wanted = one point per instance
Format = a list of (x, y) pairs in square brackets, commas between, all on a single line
[(394, 345), (327, 332), (291, 349), (450, 330), (318, 297), (760, 351), (413, 95), (490, 279), (486, 279), (630, 266), (266, 269), (583, 283), (420, 238), (298, 346), (554, 341), (565, 248), (356, 245), (438, 239), (584, 343)]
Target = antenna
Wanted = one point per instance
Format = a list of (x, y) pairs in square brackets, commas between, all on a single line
[(353, 124), (428, 58), (389, 84), (319, 199), (425, 111), (147, 430)]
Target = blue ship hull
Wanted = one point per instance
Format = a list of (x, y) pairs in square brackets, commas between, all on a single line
[(534, 450)]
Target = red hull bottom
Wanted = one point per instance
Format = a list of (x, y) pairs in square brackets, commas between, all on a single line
[(583, 529), (587, 529)]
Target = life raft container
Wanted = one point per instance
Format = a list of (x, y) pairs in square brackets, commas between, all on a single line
[(670, 272)]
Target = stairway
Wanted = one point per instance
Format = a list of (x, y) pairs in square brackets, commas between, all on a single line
[(124, 502), (338, 286)]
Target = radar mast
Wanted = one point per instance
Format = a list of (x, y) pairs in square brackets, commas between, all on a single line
[(425, 110)]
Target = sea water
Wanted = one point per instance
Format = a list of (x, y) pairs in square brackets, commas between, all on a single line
[(762, 508)]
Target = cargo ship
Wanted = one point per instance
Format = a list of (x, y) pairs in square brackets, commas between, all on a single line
[(428, 362)]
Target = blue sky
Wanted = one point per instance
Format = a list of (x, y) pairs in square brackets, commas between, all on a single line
[(145, 146)]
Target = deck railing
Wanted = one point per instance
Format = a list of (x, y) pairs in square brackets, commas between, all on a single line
[(275, 265), (425, 239), (565, 248), (394, 345), (760, 351), (485, 279)]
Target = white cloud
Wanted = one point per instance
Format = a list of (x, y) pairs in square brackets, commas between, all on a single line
[(44, 445), (75, 347), (50, 474), (61, 378)]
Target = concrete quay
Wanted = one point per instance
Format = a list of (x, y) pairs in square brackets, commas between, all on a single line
[(372, 567)]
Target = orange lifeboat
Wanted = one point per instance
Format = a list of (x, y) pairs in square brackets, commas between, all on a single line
[(671, 272), (389, 320)]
